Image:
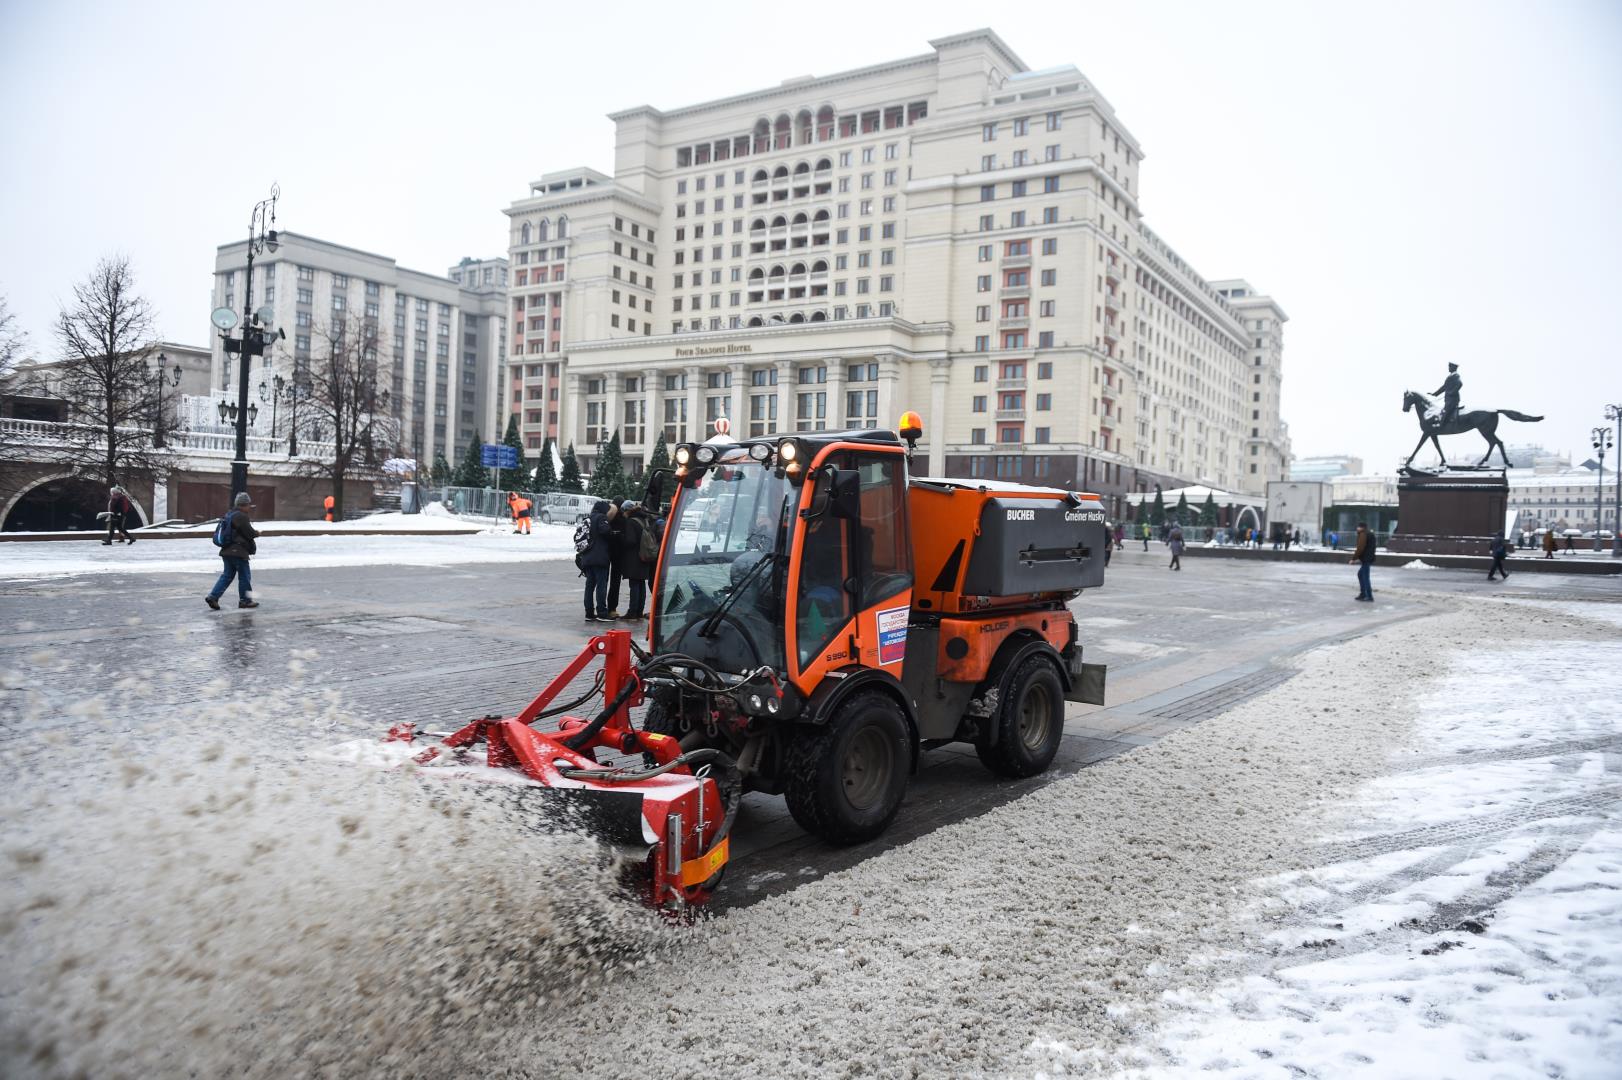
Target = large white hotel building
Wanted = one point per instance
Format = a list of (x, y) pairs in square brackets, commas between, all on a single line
[(949, 232)]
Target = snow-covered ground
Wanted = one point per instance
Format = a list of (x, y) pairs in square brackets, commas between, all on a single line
[(1255, 895), (1466, 919), (198, 555)]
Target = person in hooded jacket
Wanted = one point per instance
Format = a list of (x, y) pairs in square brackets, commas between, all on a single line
[(596, 560), (633, 568), (244, 544), (118, 507)]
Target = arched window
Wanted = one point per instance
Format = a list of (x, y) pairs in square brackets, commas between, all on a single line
[(822, 217), (757, 274), (824, 164), (799, 219), (542, 230), (797, 268), (760, 176), (779, 222), (820, 266), (777, 318), (777, 271), (819, 316), (802, 126), (782, 136), (755, 321), (563, 228), (758, 225), (802, 169), (825, 125), (780, 173), (796, 317), (523, 234)]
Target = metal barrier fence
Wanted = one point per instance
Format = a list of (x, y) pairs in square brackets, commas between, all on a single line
[(557, 507)]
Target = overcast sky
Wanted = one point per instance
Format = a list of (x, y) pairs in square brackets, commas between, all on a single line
[(1414, 182)]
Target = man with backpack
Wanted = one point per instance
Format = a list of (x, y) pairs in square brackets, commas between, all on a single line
[(594, 557), (236, 538)]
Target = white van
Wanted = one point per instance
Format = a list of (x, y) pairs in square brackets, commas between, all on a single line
[(563, 507)]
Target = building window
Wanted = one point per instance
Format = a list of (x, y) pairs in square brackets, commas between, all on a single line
[(1050, 245), (982, 343), (988, 133), (1044, 403), (981, 372)]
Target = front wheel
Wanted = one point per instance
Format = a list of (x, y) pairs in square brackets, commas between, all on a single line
[(546, 518), (1029, 721), (845, 780)]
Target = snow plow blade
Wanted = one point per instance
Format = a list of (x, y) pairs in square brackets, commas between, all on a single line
[(667, 811)]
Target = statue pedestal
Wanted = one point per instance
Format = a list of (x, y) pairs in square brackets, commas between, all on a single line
[(1454, 512)]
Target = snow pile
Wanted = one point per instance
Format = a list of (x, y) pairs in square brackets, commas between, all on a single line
[(1418, 564), (1477, 927), (201, 905)]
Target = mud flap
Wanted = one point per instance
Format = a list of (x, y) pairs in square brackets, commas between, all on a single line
[(1086, 680)]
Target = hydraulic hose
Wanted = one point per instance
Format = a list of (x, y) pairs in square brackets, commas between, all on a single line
[(581, 738), (729, 784)]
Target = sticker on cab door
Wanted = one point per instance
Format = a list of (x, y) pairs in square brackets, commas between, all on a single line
[(892, 635)]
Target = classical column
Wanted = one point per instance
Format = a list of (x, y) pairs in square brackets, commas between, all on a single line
[(654, 422), (889, 373), (785, 395), (935, 423), (695, 405), (836, 393), (739, 406), (568, 409), (612, 384)]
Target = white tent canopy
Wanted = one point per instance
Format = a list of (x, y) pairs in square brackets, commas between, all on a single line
[(1195, 494)]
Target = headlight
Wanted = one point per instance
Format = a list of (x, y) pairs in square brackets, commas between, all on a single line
[(773, 704), (760, 451), (683, 455), (788, 452), (706, 454)]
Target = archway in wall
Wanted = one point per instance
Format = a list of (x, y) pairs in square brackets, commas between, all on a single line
[(59, 503), (1255, 519)]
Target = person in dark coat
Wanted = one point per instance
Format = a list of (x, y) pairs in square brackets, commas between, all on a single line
[(597, 559), (616, 544), (1174, 540), (628, 560), (1363, 555), (1498, 550), (243, 546), (118, 507)]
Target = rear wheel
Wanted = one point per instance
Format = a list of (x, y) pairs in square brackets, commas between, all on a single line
[(845, 780), (546, 517), (1029, 721)]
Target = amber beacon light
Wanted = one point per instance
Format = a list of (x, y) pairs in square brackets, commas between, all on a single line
[(911, 427)]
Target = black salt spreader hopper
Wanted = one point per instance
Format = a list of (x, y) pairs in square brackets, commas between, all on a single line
[(671, 810)]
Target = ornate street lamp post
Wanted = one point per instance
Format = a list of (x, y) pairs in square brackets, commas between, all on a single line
[(160, 375), (273, 392), (1614, 412), (1602, 446), (256, 336)]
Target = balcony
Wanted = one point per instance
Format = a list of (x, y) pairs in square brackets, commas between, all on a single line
[(1113, 271), (1108, 391), (1010, 414), (1017, 383), (1016, 261), (1014, 292), (1014, 322)]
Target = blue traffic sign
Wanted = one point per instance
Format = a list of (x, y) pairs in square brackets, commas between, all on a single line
[(498, 456)]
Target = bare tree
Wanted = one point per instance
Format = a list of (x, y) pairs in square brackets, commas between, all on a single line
[(13, 339), (347, 405), (106, 337)]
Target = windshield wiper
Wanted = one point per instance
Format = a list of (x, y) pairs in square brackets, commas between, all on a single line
[(711, 623)]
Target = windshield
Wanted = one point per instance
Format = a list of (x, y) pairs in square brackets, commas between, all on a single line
[(728, 555)]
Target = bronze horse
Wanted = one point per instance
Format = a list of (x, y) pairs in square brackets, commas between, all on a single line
[(1482, 420)]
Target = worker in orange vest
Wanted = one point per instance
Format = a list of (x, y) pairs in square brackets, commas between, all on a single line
[(520, 512), (329, 502)]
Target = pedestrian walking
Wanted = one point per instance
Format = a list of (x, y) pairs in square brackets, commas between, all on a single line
[(237, 540), (1174, 540), (597, 558), (1145, 533), (638, 551), (1569, 545), (1297, 539), (1499, 550), (1334, 540), (328, 505), (1363, 555), (1548, 543), (1120, 535), (118, 509)]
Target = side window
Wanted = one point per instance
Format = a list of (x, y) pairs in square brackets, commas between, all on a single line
[(824, 607), (886, 563)]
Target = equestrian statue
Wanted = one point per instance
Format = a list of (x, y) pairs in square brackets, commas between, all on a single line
[(1450, 421)]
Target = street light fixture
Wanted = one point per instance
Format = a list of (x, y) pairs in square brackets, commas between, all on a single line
[(256, 337), (1602, 446), (273, 392), (1614, 412), (161, 374)]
